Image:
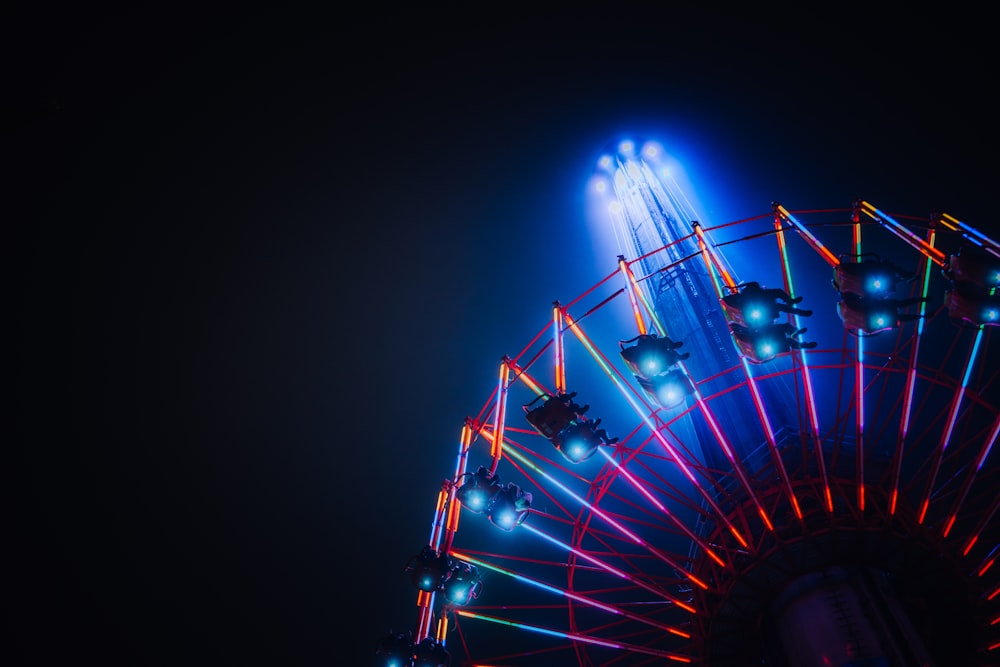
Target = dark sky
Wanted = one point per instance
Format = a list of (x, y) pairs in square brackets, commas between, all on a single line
[(263, 261)]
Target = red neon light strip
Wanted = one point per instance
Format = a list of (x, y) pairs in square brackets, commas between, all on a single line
[(727, 449), (501, 412), (946, 436), (911, 376), (859, 393), (772, 445), (711, 261), (983, 522), (967, 485), (425, 601), (806, 375), (558, 342), (454, 508)]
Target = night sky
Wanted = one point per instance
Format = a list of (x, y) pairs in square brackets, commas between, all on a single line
[(265, 264)]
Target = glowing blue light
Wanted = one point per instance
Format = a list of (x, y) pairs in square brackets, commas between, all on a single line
[(505, 520), (991, 315), (459, 594), (476, 501)]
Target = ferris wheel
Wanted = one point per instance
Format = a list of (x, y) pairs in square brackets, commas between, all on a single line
[(761, 442)]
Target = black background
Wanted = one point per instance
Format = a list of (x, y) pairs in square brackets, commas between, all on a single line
[(261, 260)]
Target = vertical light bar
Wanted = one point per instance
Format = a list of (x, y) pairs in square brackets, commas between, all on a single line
[(713, 261), (461, 465), (629, 276), (557, 341), (501, 412), (859, 386), (443, 527), (911, 377), (806, 374), (952, 417), (971, 475), (425, 601), (441, 633)]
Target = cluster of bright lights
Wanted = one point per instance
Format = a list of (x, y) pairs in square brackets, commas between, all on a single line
[(651, 151)]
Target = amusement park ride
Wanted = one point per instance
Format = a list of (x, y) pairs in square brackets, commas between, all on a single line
[(773, 494)]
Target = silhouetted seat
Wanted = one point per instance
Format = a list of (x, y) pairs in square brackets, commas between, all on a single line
[(870, 278), (868, 316)]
